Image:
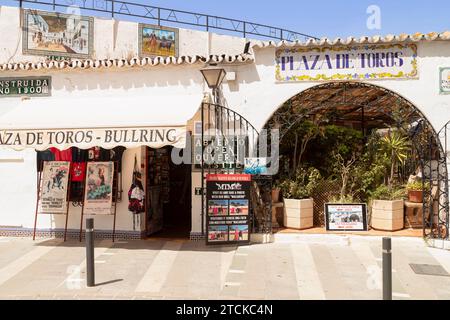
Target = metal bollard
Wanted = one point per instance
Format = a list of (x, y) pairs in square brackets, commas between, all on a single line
[(90, 263), (387, 269)]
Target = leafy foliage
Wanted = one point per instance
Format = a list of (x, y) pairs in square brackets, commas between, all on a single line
[(418, 186), (384, 192), (302, 184)]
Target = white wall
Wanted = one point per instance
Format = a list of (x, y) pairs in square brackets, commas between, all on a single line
[(114, 39)]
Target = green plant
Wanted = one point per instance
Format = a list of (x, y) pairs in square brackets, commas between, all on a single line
[(302, 184), (418, 186), (397, 147), (390, 193), (347, 199)]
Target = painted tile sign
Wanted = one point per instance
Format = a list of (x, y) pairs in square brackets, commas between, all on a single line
[(25, 86), (56, 34), (444, 81), (158, 41), (359, 62)]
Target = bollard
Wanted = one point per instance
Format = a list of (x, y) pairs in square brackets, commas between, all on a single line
[(387, 269), (90, 267)]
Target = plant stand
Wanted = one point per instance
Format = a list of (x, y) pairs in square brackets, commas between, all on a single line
[(275, 207), (414, 215), (298, 214)]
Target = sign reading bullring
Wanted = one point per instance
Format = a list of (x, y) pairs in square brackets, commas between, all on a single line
[(86, 138), (356, 62), (26, 86)]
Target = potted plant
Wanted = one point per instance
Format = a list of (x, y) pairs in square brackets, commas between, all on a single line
[(276, 192), (415, 191), (388, 199), (298, 204), (388, 208)]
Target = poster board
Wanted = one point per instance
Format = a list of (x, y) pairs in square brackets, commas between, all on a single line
[(54, 186), (98, 193), (346, 217), (228, 208)]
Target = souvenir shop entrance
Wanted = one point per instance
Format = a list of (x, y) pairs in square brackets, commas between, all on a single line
[(168, 195)]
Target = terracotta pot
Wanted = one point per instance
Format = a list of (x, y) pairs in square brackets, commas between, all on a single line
[(415, 196), (275, 195)]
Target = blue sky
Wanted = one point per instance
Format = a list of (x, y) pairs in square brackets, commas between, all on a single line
[(328, 17), (319, 18)]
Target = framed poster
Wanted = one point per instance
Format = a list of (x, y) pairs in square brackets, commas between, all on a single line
[(444, 80), (346, 217), (57, 34), (98, 188), (228, 207), (54, 185), (157, 41)]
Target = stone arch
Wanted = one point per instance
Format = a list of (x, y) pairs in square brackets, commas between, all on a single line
[(377, 106)]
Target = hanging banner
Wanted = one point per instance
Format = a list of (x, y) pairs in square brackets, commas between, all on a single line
[(355, 62), (444, 80), (228, 205), (54, 184), (346, 217), (99, 187), (108, 138)]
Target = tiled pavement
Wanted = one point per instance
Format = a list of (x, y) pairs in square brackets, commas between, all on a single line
[(296, 266)]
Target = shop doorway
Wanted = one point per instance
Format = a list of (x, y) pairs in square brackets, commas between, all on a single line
[(168, 195)]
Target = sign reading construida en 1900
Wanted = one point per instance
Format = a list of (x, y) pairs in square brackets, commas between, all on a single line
[(25, 86), (353, 62)]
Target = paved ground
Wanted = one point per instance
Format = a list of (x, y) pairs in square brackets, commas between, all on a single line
[(296, 266)]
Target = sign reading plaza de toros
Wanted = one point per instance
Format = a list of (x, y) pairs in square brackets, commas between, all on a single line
[(154, 137), (25, 86), (352, 62)]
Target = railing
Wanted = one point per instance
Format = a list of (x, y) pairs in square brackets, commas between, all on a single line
[(158, 15)]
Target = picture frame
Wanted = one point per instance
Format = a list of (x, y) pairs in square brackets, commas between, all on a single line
[(57, 35), (158, 41), (346, 217)]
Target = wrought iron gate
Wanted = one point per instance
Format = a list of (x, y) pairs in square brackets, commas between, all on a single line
[(436, 198), (226, 139)]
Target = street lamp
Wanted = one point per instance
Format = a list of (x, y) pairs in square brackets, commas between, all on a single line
[(214, 78)]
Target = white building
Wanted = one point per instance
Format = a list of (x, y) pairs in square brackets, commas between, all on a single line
[(117, 89)]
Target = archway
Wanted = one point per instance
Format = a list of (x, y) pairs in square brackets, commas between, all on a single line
[(369, 110)]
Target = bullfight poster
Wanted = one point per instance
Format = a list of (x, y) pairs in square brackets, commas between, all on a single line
[(228, 203), (99, 188), (54, 184), (346, 217)]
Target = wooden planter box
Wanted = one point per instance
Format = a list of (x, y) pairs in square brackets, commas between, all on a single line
[(388, 215), (298, 214)]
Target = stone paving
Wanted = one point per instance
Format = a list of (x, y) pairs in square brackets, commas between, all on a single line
[(295, 266)]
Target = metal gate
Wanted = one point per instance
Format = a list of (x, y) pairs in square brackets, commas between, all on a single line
[(225, 140), (436, 198)]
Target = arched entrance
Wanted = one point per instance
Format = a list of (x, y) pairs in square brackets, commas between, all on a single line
[(370, 109)]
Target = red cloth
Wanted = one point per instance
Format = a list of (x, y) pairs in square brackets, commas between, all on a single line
[(65, 155), (78, 171)]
